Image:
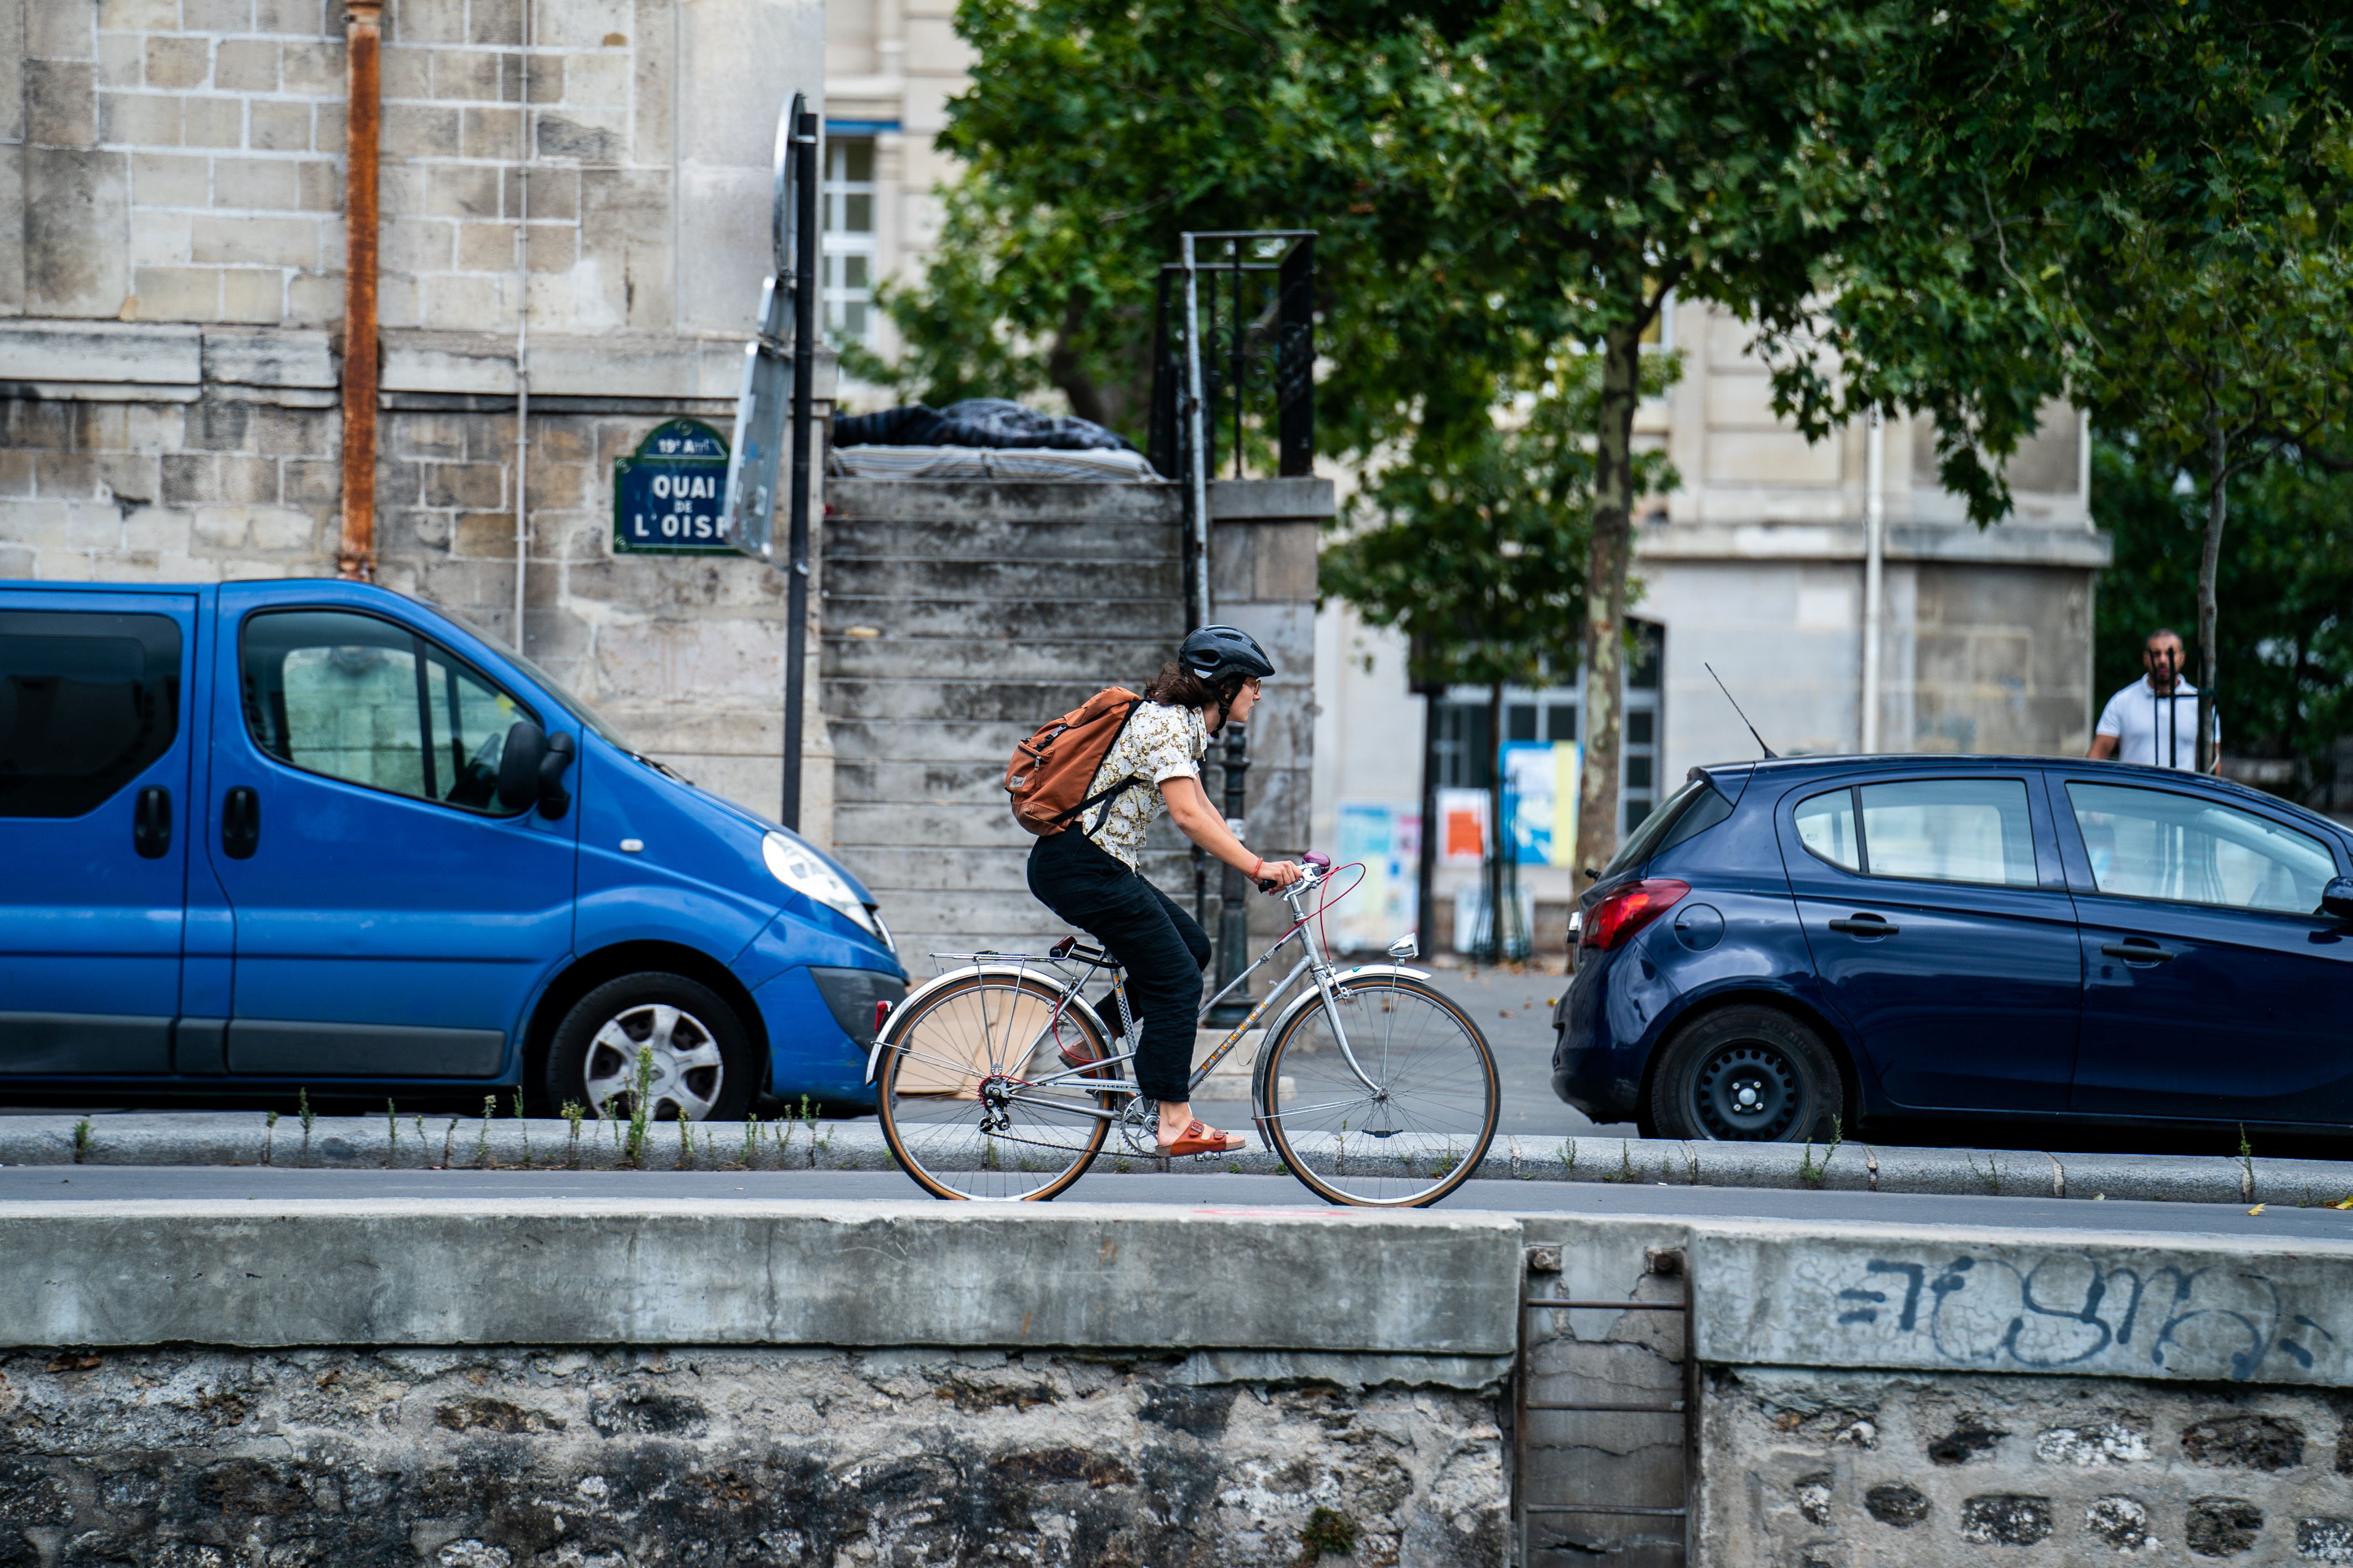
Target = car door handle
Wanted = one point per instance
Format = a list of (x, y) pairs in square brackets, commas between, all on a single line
[(1866, 925), (151, 822), (242, 824), (2133, 950)]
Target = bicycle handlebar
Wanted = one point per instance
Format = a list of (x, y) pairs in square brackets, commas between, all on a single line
[(1314, 866)]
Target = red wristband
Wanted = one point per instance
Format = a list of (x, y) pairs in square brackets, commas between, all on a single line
[(1257, 868)]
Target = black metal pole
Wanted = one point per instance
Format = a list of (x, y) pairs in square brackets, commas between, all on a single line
[(1426, 874), (1491, 944), (803, 373), (1233, 915)]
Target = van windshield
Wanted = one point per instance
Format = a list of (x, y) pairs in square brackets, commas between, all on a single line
[(573, 705)]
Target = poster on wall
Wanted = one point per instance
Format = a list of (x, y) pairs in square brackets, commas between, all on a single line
[(1462, 827), (1540, 800), (1386, 837)]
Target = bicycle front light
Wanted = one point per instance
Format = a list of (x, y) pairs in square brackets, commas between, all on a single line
[(803, 870)]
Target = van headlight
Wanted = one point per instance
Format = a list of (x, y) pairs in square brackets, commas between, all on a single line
[(799, 867)]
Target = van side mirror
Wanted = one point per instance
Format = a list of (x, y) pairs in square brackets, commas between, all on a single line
[(2336, 899), (555, 800), (518, 764)]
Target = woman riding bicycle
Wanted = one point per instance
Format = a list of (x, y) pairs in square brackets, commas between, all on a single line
[(1091, 878)]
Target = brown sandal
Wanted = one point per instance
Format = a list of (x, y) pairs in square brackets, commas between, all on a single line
[(1200, 1139)]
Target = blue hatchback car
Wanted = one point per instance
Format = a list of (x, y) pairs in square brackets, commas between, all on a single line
[(1787, 946), (263, 837)]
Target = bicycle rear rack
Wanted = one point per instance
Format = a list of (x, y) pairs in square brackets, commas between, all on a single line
[(1536, 1463)]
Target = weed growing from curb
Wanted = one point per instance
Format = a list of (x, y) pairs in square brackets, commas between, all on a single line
[(1568, 1155), (524, 1122), (638, 1110), (1990, 1177), (302, 1109), (751, 1141), (390, 1135), (1811, 1173), (685, 1141), (572, 1111), (483, 1160), (81, 1140), (269, 1134)]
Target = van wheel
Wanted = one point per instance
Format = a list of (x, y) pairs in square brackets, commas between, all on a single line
[(1749, 1075), (679, 1035)]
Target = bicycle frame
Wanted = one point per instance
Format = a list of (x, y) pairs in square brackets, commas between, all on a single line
[(1313, 961)]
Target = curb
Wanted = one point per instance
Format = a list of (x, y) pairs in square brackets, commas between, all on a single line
[(413, 1143)]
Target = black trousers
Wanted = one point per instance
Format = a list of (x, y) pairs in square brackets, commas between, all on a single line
[(1163, 949)]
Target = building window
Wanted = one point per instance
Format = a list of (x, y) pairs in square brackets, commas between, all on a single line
[(1465, 753), (849, 204)]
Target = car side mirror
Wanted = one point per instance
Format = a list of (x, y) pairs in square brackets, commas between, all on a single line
[(555, 800), (518, 764), (2336, 899)]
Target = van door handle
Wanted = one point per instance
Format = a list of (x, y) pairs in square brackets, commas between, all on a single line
[(1866, 925), (151, 822), (2137, 949), (242, 824)]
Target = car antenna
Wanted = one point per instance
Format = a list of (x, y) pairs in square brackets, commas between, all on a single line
[(1770, 754)]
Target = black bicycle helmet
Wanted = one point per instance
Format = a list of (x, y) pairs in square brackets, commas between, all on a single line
[(1218, 654)]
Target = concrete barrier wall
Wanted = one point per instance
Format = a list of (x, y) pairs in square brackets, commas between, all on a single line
[(513, 1384), (542, 1383)]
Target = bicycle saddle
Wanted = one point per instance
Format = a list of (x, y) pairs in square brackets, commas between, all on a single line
[(1080, 950)]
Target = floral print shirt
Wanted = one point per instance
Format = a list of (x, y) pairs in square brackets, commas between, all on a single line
[(1160, 742)]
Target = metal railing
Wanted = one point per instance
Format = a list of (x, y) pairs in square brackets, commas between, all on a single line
[(1233, 363), (1526, 1508)]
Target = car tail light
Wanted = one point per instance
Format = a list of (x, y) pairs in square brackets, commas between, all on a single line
[(882, 1013), (1613, 922)]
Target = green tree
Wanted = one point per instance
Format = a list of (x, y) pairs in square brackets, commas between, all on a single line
[(1581, 163), (1472, 543), (2136, 205), (2284, 588)]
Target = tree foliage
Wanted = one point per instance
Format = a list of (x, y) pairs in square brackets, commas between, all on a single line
[(2286, 592)]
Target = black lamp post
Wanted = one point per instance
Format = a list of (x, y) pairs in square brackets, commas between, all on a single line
[(1233, 921)]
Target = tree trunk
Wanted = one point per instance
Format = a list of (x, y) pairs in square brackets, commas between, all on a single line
[(1068, 373), (2209, 562), (1490, 947), (1605, 599)]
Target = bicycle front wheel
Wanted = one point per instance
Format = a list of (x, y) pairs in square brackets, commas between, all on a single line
[(977, 1093), (1408, 1122)]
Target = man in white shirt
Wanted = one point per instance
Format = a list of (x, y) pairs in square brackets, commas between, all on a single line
[(2154, 721)]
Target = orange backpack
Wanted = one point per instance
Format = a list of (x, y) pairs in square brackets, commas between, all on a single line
[(1049, 775)]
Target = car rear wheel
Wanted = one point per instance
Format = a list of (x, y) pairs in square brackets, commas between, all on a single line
[(674, 1041), (1749, 1075)]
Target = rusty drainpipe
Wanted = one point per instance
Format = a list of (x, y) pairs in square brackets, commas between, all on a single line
[(364, 43)]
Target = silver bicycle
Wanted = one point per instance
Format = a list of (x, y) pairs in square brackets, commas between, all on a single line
[(999, 1080)]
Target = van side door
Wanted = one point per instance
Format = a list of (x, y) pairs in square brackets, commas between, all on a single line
[(2215, 990), (96, 703), (1940, 927), (393, 919)]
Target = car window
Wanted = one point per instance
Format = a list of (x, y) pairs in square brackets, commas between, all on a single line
[(1695, 808), (1826, 827), (1949, 830), (365, 701), (2155, 844), (88, 701), (1936, 830)]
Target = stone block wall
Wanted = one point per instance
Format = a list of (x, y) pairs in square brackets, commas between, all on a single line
[(683, 655), (538, 1456), (181, 161), (1839, 1469)]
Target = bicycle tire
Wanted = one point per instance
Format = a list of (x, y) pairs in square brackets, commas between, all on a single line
[(1442, 1096), (941, 1053)]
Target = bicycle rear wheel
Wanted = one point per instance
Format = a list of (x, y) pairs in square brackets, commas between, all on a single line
[(976, 1099), (1411, 1134)]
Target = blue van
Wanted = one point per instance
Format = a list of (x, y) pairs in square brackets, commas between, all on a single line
[(263, 837)]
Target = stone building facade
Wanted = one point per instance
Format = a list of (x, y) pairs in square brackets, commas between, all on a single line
[(583, 190)]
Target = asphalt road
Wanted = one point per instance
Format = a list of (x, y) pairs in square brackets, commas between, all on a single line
[(93, 1184)]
